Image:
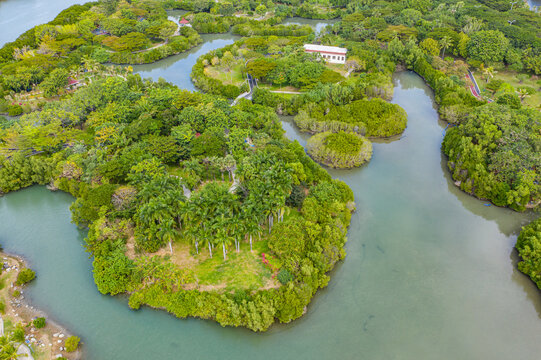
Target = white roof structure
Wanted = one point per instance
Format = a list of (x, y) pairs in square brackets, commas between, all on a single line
[(325, 49)]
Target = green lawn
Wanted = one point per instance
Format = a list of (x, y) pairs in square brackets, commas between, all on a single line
[(242, 270), (510, 77), (233, 77)]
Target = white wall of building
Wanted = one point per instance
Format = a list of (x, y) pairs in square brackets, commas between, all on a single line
[(334, 58)]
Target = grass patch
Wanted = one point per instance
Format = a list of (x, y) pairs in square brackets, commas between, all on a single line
[(242, 270), (511, 77), (233, 77)]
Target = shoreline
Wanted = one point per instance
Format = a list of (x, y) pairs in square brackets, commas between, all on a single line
[(47, 342)]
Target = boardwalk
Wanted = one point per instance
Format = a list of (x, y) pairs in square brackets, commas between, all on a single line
[(474, 88), (247, 95)]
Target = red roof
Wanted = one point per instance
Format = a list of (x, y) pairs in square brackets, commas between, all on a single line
[(73, 81), (184, 21)]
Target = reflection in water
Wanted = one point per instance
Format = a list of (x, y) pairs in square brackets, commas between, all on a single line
[(509, 221), (424, 278), (176, 69), (18, 16), (317, 25), (528, 286)]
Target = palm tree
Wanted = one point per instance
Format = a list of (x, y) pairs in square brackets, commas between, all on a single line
[(230, 164), (523, 93), (221, 231), (445, 42), (282, 211), (488, 72), (168, 232)]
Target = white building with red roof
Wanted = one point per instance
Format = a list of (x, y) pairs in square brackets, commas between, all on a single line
[(331, 54)]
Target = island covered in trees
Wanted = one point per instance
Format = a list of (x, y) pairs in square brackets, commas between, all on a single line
[(205, 209)]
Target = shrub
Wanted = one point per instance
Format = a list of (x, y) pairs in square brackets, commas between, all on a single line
[(72, 343), (339, 150), (2, 307), (528, 245), (373, 117), (15, 110), (16, 293), (25, 276), (39, 323), (284, 276)]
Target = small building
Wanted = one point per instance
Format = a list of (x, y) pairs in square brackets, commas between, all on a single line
[(73, 84), (183, 22), (331, 54)]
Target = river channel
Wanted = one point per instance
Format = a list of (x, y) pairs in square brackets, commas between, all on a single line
[(430, 271)]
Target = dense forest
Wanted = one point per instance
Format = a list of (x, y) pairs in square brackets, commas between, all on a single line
[(529, 249), (341, 150), (181, 191), (146, 162)]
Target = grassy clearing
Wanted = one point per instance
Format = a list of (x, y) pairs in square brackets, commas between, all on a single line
[(233, 77), (511, 78), (243, 270), (339, 68)]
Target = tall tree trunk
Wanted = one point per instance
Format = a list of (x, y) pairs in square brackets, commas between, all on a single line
[(196, 247), (250, 242), (223, 247), (210, 251), (170, 247)]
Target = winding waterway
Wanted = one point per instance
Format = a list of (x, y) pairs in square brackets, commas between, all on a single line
[(430, 272)]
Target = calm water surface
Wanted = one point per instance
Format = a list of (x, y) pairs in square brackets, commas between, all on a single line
[(176, 69), (17, 16), (430, 272)]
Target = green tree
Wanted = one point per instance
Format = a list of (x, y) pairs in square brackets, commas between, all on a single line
[(25, 276), (72, 343), (56, 81), (488, 46), (430, 46), (445, 42), (259, 68)]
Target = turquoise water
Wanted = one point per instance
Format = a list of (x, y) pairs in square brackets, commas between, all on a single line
[(430, 272), (17, 16), (176, 69)]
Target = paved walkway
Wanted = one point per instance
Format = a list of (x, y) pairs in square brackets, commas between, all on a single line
[(286, 92), (474, 88), (23, 352)]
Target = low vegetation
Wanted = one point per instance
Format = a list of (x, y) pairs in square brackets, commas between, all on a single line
[(155, 169), (373, 118), (529, 248), (25, 276), (339, 150)]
